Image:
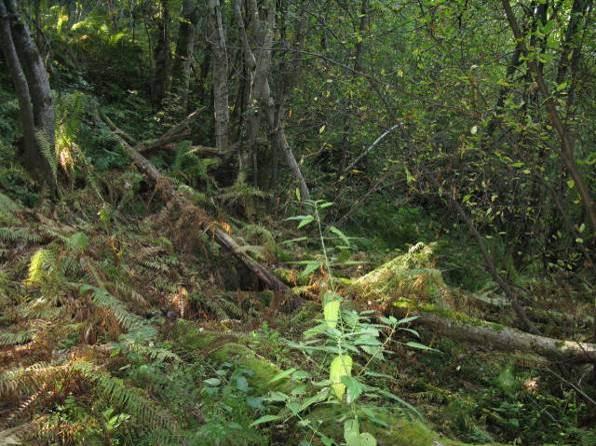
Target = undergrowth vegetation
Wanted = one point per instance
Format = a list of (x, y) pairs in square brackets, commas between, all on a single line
[(124, 320)]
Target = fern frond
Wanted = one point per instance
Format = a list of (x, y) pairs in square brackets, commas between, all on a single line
[(127, 291), (8, 209), (41, 308), (12, 235), (131, 400), (28, 380), (156, 354), (47, 151), (240, 192), (41, 266), (21, 337), (102, 298), (157, 265)]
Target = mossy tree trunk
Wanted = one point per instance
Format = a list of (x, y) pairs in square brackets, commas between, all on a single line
[(32, 86)]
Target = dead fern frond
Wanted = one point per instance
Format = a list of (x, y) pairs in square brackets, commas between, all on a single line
[(24, 381)]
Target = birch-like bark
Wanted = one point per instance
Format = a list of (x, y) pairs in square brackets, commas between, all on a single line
[(261, 56), (161, 74), (185, 46), (219, 65)]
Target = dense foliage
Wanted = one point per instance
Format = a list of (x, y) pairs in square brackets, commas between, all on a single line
[(337, 222)]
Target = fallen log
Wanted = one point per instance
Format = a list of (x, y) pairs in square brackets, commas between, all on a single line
[(507, 338), (410, 284), (166, 188)]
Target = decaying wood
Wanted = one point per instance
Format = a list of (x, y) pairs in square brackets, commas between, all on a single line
[(169, 194), (177, 133), (507, 339)]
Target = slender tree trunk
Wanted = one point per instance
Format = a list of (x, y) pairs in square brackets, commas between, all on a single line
[(260, 59), (345, 145), (161, 74), (219, 65), (185, 52), (33, 92), (36, 73)]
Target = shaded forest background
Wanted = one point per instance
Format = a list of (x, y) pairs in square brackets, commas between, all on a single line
[(186, 187)]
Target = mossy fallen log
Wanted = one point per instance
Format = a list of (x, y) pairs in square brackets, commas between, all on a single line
[(506, 338), (410, 284)]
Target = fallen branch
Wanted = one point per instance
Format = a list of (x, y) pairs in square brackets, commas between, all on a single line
[(507, 339), (169, 194), (177, 133), (371, 147)]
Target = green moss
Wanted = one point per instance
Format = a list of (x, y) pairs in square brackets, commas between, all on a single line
[(410, 275), (223, 347), (400, 431), (263, 370)]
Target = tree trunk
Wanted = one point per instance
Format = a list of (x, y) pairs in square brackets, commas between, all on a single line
[(161, 74), (344, 147), (33, 92), (185, 52), (260, 60), (219, 65)]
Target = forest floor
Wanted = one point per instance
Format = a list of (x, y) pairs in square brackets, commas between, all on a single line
[(119, 327)]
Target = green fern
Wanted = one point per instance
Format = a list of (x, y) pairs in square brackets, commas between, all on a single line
[(130, 400), (122, 289), (10, 339), (24, 381), (241, 192), (102, 298), (42, 267), (47, 151), (13, 235), (8, 209)]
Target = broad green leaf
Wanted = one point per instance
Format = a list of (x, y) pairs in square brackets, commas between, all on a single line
[(265, 419), (319, 397), (299, 375), (352, 432), (340, 366), (326, 440), (420, 346), (310, 268), (212, 382), (282, 375), (242, 384), (331, 312), (340, 234), (405, 320), (293, 407), (277, 397), (302, 219), (373, 417), (367, 439), (354, 388), (353, 436)]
